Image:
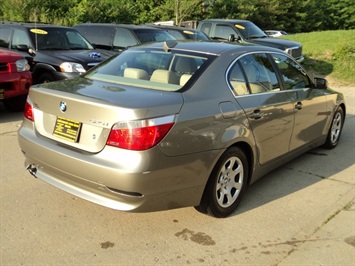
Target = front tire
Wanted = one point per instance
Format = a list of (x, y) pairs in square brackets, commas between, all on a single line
[(226, 185), (335, 129), (45, 78)]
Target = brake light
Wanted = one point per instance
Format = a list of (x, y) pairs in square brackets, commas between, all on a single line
[(140, 135), (28, 113)]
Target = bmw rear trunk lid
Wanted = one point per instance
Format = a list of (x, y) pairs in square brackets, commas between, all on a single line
[(81, 112)]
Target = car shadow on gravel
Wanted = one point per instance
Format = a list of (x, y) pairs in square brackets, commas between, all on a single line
[(304, 171), (7, 117)]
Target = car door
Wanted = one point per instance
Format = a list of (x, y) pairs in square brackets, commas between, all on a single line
[(309, 103), (270, 110)]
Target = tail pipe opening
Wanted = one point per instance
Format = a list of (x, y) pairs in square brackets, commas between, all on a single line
[(32, 169)]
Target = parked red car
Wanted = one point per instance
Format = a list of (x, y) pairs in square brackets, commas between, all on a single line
[(15, 80)]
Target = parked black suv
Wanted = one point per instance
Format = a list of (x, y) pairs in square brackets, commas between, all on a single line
[(53, 52), (117, 37), (245, 31)]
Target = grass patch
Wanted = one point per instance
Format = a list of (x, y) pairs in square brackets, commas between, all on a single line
[(329, 53)]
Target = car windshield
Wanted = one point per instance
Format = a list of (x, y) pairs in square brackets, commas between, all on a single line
[(152, 35), (195, 35), (249, 30), (151, 68), (59, 39)]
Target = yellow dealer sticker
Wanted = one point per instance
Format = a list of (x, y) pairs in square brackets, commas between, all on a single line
[(38, 31), (188, 32), (240, 26)]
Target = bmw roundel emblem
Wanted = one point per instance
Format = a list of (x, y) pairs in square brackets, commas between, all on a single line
[(63, 106)]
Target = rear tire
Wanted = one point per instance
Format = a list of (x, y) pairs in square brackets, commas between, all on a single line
[(226, 185), (335, 129), (16, 104)]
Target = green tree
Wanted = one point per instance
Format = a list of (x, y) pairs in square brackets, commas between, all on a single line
[(289, 15), (340, 14)]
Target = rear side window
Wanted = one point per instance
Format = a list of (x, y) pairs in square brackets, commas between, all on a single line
[(293, 75), (237, 80)]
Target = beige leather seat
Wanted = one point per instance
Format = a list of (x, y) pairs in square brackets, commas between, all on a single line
[(164, 76), (184, 78), (185, 65), (237, 81), (135, 73)]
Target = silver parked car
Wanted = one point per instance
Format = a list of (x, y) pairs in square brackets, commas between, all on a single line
[(176, 124)]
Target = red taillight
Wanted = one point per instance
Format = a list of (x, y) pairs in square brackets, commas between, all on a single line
[(28, 113), (140, 135)]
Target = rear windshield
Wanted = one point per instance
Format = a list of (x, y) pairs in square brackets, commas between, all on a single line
[(151, 69)]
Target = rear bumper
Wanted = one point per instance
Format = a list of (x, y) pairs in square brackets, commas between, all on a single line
[(115, 178)]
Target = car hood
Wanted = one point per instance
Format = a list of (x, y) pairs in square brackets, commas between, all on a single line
[(275, 42), (7, 56), (87, 58)]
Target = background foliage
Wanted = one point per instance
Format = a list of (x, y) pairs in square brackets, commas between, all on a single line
[(290, 15)]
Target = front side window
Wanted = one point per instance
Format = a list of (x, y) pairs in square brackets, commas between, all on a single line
[(4, 37), (223, 32), (293, 75), (151, 69), (20, 37)]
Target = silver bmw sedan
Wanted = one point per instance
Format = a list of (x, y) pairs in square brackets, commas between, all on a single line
[(177, 124)]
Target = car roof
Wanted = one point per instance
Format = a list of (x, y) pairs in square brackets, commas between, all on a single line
[(206, 47), (225, 20), (172, 27), (114, 25), (31, 24)]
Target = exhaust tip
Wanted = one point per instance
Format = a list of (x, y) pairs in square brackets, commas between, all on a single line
[(32, 169)]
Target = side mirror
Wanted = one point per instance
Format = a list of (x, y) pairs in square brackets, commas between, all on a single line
[(321, 83), (22, 47), (25, 48)]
